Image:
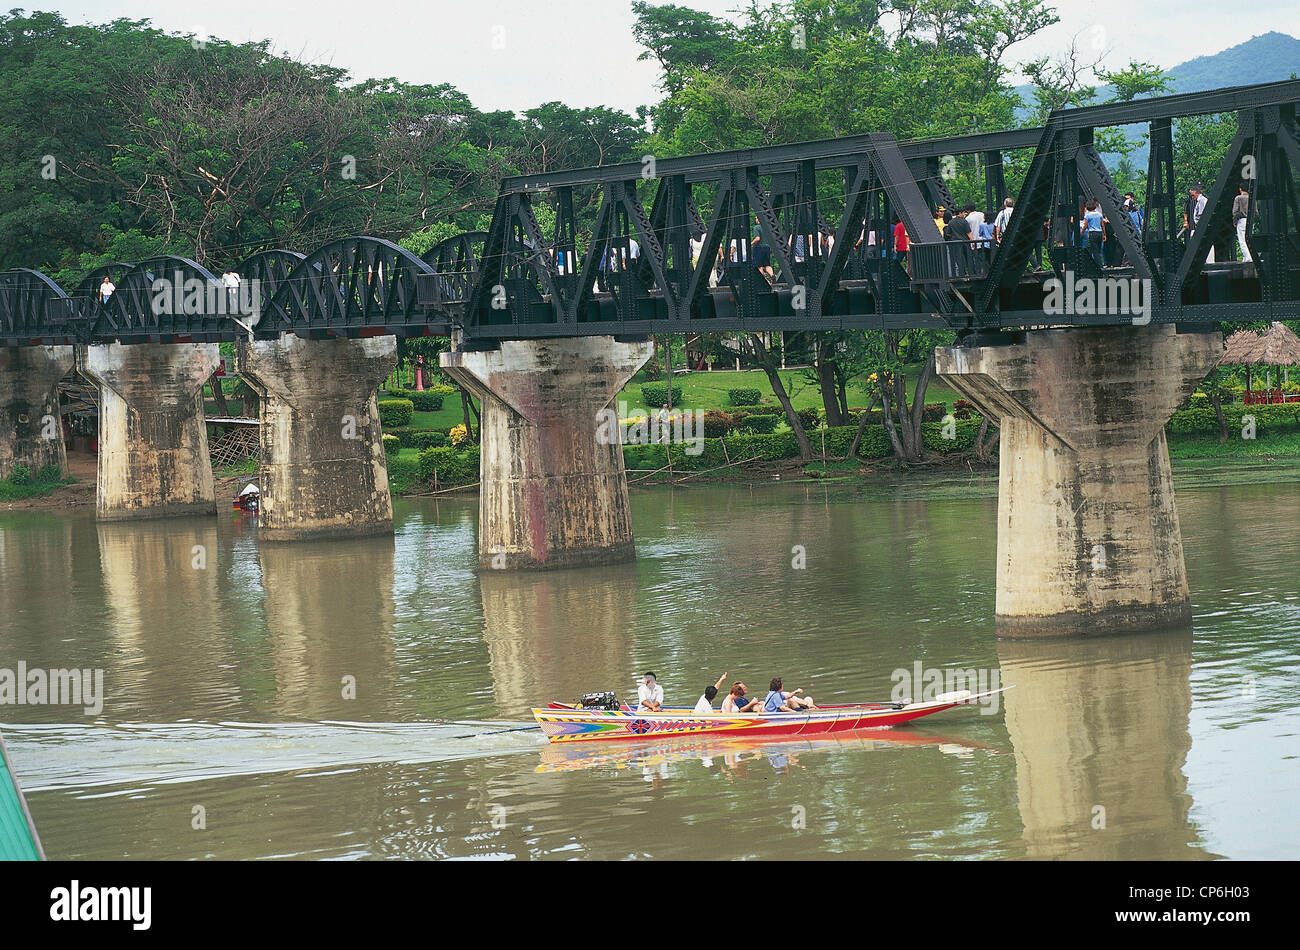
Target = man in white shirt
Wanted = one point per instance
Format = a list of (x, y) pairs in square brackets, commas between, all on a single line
[(649, 695), (1003, 219), (975, 218), (704, 706), (1196, 203), (106, 289)]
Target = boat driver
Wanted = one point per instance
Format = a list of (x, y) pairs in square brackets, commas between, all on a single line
[(649, 695)]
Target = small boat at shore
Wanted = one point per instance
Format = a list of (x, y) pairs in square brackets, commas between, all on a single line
[(565, 722), (18, 838)]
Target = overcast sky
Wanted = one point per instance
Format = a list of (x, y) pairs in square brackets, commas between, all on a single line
[(581, 52)]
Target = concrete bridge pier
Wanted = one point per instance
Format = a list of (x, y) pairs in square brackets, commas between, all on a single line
[(1088, 536), (31, 432), (153, 444), (323, 471), (553, 491)]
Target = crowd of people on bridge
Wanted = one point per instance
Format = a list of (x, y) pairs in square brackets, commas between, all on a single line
[(968, 234)]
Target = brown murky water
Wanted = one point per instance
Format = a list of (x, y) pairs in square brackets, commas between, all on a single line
[(225, 677)]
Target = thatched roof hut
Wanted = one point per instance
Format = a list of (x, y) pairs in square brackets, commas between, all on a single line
[(1277, 346)]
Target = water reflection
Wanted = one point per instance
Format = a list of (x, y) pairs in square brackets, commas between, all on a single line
[(329, 624), (556, 635), (1102, 724)]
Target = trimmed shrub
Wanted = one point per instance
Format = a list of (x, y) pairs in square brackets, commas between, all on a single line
[(427, 401), (809, 418), (934, 412), (428, 439), (744, 397), (962, 409), (396, 412), (403, 473), (392, 445), (717, 424), (450, 466), (459, 435), (759, 423), (763, 411), (1200, 419), (656, 394)]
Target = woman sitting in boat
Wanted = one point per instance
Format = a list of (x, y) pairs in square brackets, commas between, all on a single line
[(736, 702), (778, 701)]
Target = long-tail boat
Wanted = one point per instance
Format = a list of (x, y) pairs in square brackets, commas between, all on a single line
[(565, 722)]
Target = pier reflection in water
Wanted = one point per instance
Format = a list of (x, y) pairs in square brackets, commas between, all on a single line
[(1100, 731), (226, 687)]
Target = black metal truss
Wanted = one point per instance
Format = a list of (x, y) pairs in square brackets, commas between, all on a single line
[(645, 266)]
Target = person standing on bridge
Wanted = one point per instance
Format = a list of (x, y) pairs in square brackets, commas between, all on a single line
[(1193, 210), (900, 241), (1091, 230), (1240, 213), (106, 289), (1003, 219)]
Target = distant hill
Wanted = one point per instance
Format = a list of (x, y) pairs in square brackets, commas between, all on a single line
[(1268, 58)]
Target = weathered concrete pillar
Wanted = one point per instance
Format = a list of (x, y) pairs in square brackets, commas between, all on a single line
[(31, 432), (1088, 537), (552, 494), (153, 444), (323, 472)]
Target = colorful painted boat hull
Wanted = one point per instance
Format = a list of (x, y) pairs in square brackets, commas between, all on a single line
[(18, 838), (562, 723)]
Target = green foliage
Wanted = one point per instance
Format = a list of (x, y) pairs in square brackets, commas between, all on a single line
[(392, 445), (403, 472), (428, 400), (395, 412), (49, 475), (811, 417), (20, 475), (793, 70), (450, 466), (656, 394), (759, 423), (717, 424), (1200, 419), (744, 397), (225, 150), (652, 370)]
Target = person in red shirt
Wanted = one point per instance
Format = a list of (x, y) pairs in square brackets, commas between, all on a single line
[(900, 241)]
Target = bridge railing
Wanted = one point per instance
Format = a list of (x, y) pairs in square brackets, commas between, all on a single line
[(946, 261)]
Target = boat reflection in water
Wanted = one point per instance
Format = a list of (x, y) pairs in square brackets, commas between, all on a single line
[(736, 755), (1100, 732)]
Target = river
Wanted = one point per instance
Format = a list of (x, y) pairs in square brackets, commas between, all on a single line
[(363, 699)]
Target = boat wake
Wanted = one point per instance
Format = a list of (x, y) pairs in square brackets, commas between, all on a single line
[(67, 756)]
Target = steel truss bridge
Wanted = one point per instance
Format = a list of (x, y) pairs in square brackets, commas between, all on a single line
[(633, 273)]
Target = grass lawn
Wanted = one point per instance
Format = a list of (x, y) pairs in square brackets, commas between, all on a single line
[(704, 390), (1267, 445)]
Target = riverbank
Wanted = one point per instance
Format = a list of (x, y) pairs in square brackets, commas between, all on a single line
[(80, 491), (1197, 462)]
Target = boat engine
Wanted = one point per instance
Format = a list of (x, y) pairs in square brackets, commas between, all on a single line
[(600, 701)]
